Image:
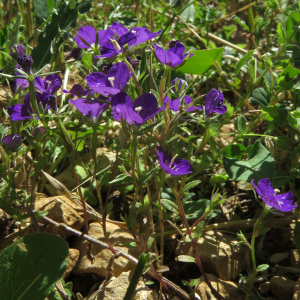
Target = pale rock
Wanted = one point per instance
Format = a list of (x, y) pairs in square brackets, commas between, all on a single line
[(72, 261), (282, 288), (278, 257), (102, 255), (295, 259), (264, 287), (297, 291), (116, 289), (227, 289), (219, 253), (13, 237), (104, 158), (61, 210)]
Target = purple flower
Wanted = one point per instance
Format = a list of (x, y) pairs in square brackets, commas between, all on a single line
[(175, 104), (11, 142), (178, 86), (50, 85), (87, 37), (79, 91), (176, 167), (16, 84), (18, 50), (112, 83), (214, 103), (267, 193), (134, 113), (93, 109), (173, 56), (21, 112), (132, 38)]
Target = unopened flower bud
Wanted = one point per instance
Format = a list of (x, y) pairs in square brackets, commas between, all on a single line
[(25, 63), (11, 142), (74, 53), (39, 132)]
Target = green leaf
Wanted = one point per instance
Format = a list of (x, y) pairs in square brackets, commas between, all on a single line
[(218, 178), (185, 258), (259, 165), (189, 13), (191, 185), (242, 61), (235, 151), (88, 196), (30, 267), (263, 231), (251, 20), (41, 163), (169, 205), (297, 236), (240, 22), (286, 77), (81, 173), (260, 97), (198, 230), (120, 178), (41, 8), (228, 30), (148, 176), (261, 268), (240, 123), (194, 209), (201, 61)]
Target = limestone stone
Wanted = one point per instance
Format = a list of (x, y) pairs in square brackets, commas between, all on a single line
[(72, 261), (62, 210), (264, 287), (282, 288), (227, 289), (297, 291), (102, 255), (219, 253), (295, 259), (104, 158), (116, 288)]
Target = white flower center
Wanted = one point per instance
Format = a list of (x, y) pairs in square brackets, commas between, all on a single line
[(111, 80)]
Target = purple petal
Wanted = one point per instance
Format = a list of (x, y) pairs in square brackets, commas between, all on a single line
[(49, 101), (88, 34), (256, 188), (178, 85), (52, 83), (143, 34), (120, 73), (19, 112), (188, 100), (13, 141), (79, 91), (147, 106), (178, 49), (168, 57), (128, 38), (97, 81), (179, 167), (38, 97), (21, 83), (39, 84), (118, 29), (108, 51), (121, 105), (18, 50), (266, 187), (284, 202), (173, 104), (214, 103), (91, 108), (105, 36)]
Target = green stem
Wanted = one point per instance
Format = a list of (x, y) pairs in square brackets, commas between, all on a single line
[(32, 96), (204, 140), (1, 16), (133, 74), (256, 228)]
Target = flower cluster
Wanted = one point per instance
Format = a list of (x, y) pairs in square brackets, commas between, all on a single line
[(107, 89)]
